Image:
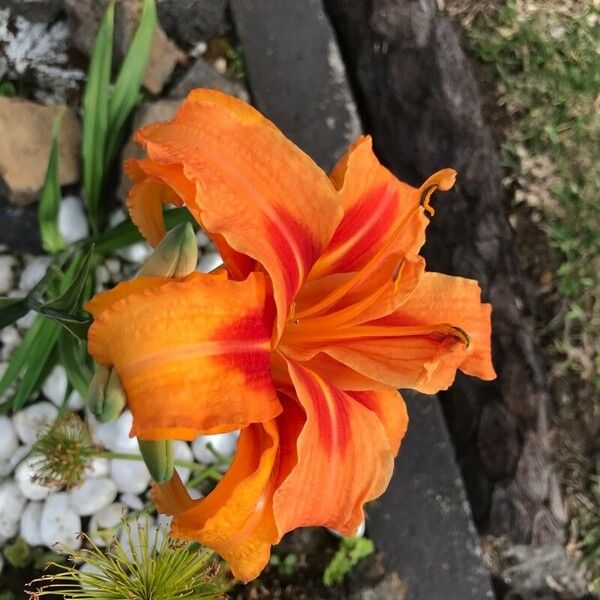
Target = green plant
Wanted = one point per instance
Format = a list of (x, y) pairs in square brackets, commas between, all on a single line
[(150, 566), (58, 332), (285, 566), (350, 552)]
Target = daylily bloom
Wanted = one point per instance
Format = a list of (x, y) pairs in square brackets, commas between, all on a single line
[(322, 309)]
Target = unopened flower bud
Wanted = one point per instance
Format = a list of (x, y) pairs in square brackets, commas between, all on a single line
[(158, 456), (175, 256), (106, 395)]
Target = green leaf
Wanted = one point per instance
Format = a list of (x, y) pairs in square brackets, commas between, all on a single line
[(126, 233), (11, 310), (49, 205), (95, 115), (68, 301), (351, 551), (36, 364), (73, 356), (126, 92)]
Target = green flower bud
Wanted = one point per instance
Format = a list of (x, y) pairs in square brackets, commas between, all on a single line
[(175, 256), (106, 395), (158, 456)]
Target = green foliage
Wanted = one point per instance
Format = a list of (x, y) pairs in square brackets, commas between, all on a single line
[(285, 566), (49, 205), (106, 109), (588, 524), (18, 554), (350, 552), (544, 63), (154, 567)]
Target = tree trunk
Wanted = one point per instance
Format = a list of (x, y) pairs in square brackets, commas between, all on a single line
[(420, 102)]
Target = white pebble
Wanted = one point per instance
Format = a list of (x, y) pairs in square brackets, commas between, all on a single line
[(131, 476), (32, 274), (9, 339), (7, 466), (98, 467), (115, 435), (181, 451), (55, 386), (223, 443), (93, 495), (33, 419), (75, 401), (72, 222), (135, 253), (9, 392), (220, 65), (132, 501), (105, 523), (8, 439), (195, 494), (113, 265), (60, 523), (209, 261), (12, 505), (25, 478), (30, 524), (202, 238), (7, 278), (116, 216), (102, 277), (26, 322)]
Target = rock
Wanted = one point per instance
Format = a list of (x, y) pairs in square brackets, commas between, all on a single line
[(146, 113), (30, 524), (223, 444), (391, 587), (34, 419), (135, 253), (297, 75), (15, 459), (25, 477), (191, 21), (9, 338), (99, 467), (60, 523), (43, 11), (164, 55), (202, 238), (85, 17), (25, 147), (24, 323), (12, 505), (209, 261), (72, 220), (130, 476), (8, 439), (105, 523), (55, 386), (7, 276), (115, 436), (33, 272), (93, 495), (76, 401), (182, 451), (421, 123), (132, 501), (202, 75)]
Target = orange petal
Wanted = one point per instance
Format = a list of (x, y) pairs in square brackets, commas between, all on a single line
[(236, 518), (193, 354), (378, 209), (343, 459), (416, 356), (256, 189)]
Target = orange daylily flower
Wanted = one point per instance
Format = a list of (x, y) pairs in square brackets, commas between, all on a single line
[(321, 311)]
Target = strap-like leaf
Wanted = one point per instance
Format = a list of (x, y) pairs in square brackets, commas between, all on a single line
[(95, 115), (126, 92), (73, 357), (11, 310), (69, 300), (49, 205)]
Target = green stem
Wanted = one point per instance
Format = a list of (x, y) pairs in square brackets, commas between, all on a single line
[(180, 463)]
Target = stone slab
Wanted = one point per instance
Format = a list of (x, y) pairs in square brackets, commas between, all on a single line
[(423, 522), (296, 74)]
